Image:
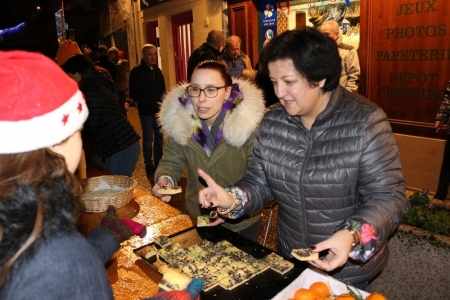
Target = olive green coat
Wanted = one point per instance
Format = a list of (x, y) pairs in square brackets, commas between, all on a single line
[(228, 161)]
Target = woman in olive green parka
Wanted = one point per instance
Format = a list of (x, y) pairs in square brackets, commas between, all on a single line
[(210, 123)]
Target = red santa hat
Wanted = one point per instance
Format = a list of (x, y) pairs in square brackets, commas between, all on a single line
[(40, 105)]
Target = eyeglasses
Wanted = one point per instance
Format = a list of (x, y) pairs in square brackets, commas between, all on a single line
[(210, 91)]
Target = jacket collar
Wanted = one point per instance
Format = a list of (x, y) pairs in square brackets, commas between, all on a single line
[(177, 121), (333, 103), (214, 50), (145, 66)]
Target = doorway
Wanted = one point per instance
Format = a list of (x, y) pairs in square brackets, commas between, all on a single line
[(182, 43), (153, 38)]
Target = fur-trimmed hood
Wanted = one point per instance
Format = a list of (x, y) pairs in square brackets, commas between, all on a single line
[(177, 121)]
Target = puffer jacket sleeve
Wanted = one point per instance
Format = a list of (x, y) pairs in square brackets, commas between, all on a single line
[(381, 186), (249, 146), (254, 182)]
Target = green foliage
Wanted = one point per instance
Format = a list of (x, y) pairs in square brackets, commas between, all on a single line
[(419, 199), (424, 215)]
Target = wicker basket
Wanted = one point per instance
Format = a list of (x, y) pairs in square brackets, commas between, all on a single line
[(100, 203)]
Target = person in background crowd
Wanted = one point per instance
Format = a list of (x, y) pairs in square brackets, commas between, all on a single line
[(123, 71), (104, 61), (349, 55), (329, 158), (110, 139), (68, 49), (147, 88), (207, 51), (42, 255), (211, 124), (89, 53), (238, 63), (442, 118), (122, 55)]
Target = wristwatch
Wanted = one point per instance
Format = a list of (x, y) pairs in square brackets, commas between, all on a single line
[(355, 234)]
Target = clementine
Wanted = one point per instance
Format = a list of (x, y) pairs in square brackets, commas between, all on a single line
[(345, 296), (376, 296), (304, 294), (319, 289)]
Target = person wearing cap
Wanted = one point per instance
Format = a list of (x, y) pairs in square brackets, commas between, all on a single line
[(69, 48), (104, 61), (110, 139), (42, 254), (66, 50), (123, 71)]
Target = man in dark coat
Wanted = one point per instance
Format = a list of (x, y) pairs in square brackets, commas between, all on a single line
[(104, 61), (208, 50), (147, 88)]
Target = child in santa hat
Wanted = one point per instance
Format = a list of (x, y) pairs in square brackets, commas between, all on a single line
[(42, 255)]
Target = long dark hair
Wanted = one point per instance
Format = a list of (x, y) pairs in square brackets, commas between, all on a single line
[(315, 55), (37, 199)]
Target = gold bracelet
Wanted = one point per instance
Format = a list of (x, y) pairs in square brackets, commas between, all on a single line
[(224, 211), (355, 234)]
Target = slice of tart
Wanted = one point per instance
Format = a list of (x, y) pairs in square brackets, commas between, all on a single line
[(304, 254), (170, 190)]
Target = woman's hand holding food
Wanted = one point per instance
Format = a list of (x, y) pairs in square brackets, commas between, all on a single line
[(339, 246), (162, 183)]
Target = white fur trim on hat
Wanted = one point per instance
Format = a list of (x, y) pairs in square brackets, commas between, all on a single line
[(45, 130)]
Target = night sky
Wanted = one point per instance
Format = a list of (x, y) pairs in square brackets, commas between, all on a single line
[(14, 12)]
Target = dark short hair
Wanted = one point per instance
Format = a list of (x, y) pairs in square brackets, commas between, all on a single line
[(79, 63), (217, 66), (314, 55), (215, 37), (102, 50)]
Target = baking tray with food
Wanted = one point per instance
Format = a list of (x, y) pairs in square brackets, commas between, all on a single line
[(232, 266)]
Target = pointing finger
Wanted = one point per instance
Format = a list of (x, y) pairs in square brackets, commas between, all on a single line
[(209, 181)]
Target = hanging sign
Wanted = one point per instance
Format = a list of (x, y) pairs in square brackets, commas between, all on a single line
[(268, 20)]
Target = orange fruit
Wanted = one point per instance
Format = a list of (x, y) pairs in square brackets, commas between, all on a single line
[(319, 289), (376, 296), (304, 294), (345, 296)]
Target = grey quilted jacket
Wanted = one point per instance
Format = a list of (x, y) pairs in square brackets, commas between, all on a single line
[(346, 167)]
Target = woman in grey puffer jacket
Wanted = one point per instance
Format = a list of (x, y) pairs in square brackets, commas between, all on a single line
[(329, 158)]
